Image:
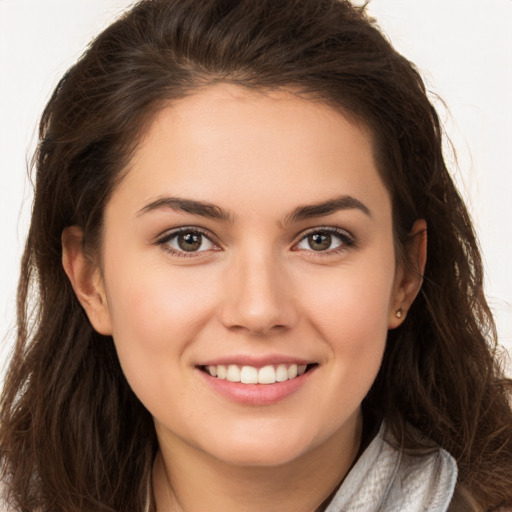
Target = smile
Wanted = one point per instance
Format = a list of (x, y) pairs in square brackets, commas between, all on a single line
[(257, 382), (251, 375)]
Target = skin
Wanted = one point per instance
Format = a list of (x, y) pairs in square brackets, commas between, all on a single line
[(255, 288)]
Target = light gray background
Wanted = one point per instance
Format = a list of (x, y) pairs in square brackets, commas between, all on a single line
[(462, 47)]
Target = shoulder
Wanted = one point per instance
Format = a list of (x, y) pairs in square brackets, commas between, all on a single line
[(424, 482), (387, 479)]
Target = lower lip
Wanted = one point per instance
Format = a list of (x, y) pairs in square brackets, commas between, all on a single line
[(257, 394)]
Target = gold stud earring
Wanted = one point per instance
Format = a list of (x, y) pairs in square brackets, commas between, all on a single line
[(398, 314)]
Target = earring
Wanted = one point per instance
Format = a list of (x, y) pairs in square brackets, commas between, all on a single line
[(398, 314)]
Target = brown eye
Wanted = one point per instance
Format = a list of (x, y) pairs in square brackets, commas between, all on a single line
[(190, 241), (319, 241), (187, 241), (325, 240)]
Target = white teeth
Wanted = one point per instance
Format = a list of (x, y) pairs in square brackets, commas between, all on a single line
[(266, 375), (251, 375), (292, 371), (233, 373), (221, 371), (281, 373)]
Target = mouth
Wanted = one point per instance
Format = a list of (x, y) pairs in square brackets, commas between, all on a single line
[(245, 374)]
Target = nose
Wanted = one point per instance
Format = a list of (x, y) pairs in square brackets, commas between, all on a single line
[(258, 296)]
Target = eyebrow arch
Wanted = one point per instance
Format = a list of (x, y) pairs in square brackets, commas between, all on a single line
[(327, 208), (192, 206)]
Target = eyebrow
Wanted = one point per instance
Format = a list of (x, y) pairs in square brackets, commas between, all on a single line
[(327, 208), (212, 211), (201, 208)]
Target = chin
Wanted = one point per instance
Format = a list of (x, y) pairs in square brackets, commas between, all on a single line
[(257, 451)]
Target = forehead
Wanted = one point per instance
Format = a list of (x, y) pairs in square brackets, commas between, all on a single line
[(231, 145)]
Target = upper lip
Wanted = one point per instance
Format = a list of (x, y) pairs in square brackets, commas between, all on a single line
[(256, 361)]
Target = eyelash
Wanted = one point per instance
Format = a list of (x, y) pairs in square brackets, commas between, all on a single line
[(347, 241), (164, 240)]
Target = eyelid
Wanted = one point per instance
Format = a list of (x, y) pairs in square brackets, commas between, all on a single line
[(168, 235), (347, 238)]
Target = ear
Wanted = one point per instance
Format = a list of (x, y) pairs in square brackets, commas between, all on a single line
[(409, 277), (86, 280)]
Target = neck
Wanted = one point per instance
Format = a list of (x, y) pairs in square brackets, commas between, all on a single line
[(186, 479)]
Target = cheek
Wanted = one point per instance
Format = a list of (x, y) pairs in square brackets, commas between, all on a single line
[(156, 315), (154, 310), (349, 309), (351, 304)]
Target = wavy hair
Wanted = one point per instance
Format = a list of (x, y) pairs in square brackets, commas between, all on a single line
[(73, 436)]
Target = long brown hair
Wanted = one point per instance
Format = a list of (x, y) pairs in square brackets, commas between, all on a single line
[(73, 436)]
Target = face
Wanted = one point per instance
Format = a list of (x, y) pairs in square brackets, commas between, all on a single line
[(251, 239)]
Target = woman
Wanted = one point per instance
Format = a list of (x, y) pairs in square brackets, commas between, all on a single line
[(238, 306)]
